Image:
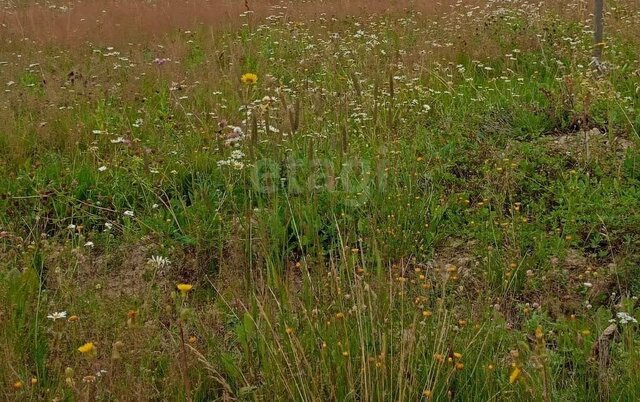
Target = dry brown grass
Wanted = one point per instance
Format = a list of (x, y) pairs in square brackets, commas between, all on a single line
[(114, 22), (117, 21)]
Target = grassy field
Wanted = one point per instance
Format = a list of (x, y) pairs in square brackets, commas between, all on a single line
[(319, 200)]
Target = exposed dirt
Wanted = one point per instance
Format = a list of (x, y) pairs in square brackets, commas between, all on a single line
[(129, 270), (589, 144)]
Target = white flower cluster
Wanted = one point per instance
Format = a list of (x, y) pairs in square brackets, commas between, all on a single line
[(234, 160), (624, 318)]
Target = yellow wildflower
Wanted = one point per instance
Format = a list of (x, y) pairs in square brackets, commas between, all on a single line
[(88, 348), (184, 288), (17, 385), (515, 374), (249, 78)]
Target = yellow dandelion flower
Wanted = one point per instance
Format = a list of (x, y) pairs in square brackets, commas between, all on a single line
[(87, 348), (289, 330), (17, 385), (427, 393), (184, 288), (459, 366), (426, 313), (249, 78), (539, 333), (515, 374), (34, 381)]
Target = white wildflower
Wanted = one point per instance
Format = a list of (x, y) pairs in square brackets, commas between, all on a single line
[(625, 318), (159, 261), (57, 316)]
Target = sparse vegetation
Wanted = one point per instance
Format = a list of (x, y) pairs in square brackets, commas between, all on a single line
[(383, 202)]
